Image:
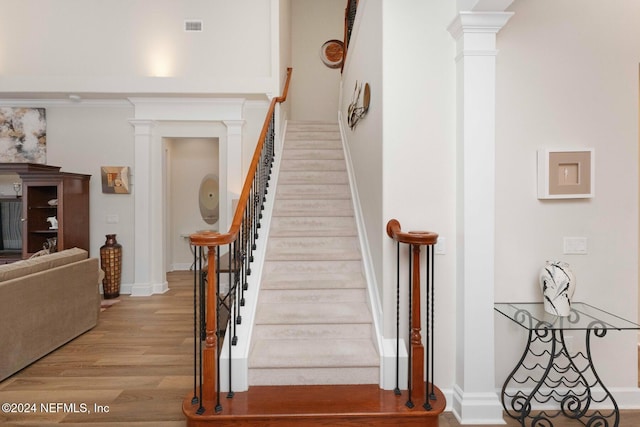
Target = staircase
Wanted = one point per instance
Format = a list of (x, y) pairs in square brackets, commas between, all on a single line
[(313, 360), (313, 324)]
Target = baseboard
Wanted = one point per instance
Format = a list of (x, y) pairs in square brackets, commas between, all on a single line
[(476, 408), (145, 289), (367, 261), (181, 266)]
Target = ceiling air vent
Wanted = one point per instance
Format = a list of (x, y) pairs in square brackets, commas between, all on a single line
[(192, 26)]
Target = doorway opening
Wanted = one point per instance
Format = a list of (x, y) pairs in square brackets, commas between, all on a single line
[(189, 161)]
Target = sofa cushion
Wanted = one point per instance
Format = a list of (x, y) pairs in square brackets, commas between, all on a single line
[(41, 263)]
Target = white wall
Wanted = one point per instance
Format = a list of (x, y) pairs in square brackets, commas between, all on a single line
[(137, 47), (82, 139), (285, 42), (314, 91), (364, 64), (567, 77), (403, 151)]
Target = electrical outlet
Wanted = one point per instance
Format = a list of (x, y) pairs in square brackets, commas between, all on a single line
[(441, 246)]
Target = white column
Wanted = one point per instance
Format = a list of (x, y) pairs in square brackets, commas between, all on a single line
[(234, 173), (475, 400), (147, 223)]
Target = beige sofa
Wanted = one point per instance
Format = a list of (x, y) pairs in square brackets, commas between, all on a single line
[(44, 303)]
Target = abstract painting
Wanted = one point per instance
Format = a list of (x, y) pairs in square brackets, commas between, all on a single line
[(23, 135)]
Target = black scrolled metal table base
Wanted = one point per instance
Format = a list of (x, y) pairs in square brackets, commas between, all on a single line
[(551, 375)]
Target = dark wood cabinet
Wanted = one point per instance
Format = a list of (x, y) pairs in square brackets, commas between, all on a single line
[(48, 193)]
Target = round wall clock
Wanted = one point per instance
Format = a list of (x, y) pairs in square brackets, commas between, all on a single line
[(332, 53)]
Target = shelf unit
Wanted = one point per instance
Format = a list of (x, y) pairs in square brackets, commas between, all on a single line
[(41, 186)]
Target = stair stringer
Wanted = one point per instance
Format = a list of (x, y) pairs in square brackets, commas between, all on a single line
[(386, 347), (244, 331)]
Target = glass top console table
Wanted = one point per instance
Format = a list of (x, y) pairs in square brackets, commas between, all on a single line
[(562, 380)]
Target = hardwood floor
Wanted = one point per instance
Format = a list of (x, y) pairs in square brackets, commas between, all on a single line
[(136, 364)]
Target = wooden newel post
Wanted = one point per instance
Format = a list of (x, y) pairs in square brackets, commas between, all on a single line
[(211, 342), (416, 366), (417, 349)]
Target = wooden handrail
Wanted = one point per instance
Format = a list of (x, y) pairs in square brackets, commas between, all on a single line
[(412, 237), (210, 378), (209, 238)]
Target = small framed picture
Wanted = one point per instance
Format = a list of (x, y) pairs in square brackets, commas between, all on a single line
[(115, 179), (566, 174)]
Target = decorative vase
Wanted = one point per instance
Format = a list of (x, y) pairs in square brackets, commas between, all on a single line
[(111, 264), (557, 284)]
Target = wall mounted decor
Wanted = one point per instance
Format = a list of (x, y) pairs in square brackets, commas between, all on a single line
[(115, 179), (566, 174), (23, 135), (209, 199), (355, 112), (332, 53)]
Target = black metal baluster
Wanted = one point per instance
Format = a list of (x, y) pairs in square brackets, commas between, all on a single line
[(432, 395), (217, 332), (231, 321), (236, 281), (409, 403), (202, 331), (427, 352), (397, 389), (195, 399)]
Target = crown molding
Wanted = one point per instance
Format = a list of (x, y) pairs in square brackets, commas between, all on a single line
[(67, 103)]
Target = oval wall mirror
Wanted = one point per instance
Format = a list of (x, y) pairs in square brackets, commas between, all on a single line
[(209, 199)]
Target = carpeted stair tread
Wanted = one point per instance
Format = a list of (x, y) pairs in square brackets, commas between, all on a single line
[(313, 248), (313, 323), (312, 296), (310, 353), (313, 191), (312, 165), (312, 313), (313, 177), (311, 136), (314, 331), (309, 226), (309, 153), (313, 207)]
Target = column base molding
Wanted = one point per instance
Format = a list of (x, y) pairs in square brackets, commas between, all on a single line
[(476, 408)]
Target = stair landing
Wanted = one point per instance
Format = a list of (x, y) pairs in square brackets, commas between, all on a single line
[(317, 406)]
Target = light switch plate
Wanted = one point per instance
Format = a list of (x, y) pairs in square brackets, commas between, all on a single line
[(575, 245)]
